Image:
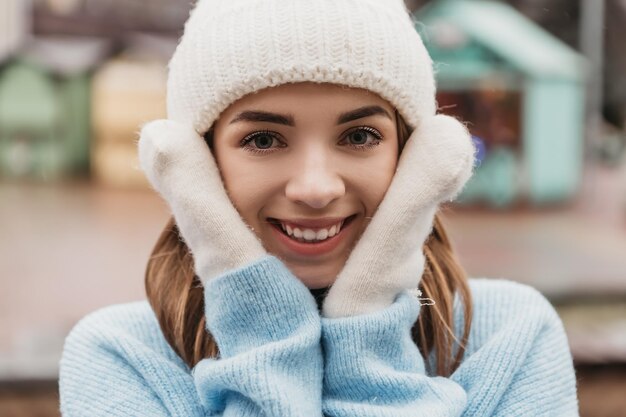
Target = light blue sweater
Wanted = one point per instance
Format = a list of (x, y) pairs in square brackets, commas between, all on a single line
[(279, 358)]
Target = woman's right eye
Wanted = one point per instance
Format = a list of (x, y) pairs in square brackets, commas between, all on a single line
[(259, 142)]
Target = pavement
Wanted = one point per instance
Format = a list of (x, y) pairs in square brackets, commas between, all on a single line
[(68, 249), (573, 250)]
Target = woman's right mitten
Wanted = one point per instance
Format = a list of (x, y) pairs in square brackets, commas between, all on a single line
[(388, 259), (180, 166), (372, 366), (264, 320)]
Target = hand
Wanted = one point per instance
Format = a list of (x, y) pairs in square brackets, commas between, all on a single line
[(434, 166), (180, 166)]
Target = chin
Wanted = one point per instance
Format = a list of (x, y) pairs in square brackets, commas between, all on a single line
[(317, 284), (312, 279)]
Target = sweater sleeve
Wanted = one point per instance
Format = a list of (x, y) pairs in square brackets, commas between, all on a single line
[(373, 368), (267, 327), (519, 363), (266, 323)]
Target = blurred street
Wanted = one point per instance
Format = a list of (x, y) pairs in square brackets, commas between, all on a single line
[(567, 251)]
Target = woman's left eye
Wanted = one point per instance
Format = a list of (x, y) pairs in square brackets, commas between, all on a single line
[(360, 136)]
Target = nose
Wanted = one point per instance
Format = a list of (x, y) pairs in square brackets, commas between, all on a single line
[(315, 182)]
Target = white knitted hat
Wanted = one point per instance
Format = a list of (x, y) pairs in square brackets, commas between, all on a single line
[(231, 48)]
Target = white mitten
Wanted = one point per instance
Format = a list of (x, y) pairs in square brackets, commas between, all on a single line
[(180, 166), (435, 164)]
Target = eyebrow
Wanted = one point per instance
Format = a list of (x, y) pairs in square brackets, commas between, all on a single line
[(288, 119), (362, 112)]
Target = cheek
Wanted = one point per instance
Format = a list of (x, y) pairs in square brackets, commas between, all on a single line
[(249, 187), (371, 178)]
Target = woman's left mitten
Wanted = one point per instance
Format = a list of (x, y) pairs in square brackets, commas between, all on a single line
[(435, 164)]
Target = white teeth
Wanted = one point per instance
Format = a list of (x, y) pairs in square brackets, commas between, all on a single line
[(322, 234), (311, 235)]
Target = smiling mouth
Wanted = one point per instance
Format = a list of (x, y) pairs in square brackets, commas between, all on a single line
[(304, 235)]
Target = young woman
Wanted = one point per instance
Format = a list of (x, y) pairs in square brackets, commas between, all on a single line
[(304, 165)]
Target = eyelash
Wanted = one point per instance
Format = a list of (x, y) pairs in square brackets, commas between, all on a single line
[(246, 141)]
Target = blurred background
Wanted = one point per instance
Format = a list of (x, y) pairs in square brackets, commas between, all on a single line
[(541, 84)]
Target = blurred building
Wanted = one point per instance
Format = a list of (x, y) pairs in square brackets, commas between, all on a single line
[(522, 92), (127, 91), (53, 111), (111, 18), (562, 18), (44, 107)]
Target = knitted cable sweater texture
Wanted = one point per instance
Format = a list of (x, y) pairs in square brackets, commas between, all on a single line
[(279, 358)]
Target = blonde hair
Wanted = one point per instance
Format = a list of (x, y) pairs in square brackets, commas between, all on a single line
[(176, 295)]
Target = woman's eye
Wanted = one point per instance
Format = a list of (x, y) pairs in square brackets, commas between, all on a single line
[(259, 142), (359, 138)]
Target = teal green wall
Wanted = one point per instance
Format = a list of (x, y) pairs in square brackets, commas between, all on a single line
[(553, 138)]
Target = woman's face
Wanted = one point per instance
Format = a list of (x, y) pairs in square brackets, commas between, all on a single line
[(307, 152)]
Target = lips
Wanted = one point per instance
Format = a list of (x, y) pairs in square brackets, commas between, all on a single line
[(312, 223), (319, 223), (307, 249)]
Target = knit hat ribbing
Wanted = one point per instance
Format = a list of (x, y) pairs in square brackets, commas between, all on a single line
[(231, 48)]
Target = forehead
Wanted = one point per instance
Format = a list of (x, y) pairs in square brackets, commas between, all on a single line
[(306, 100)]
